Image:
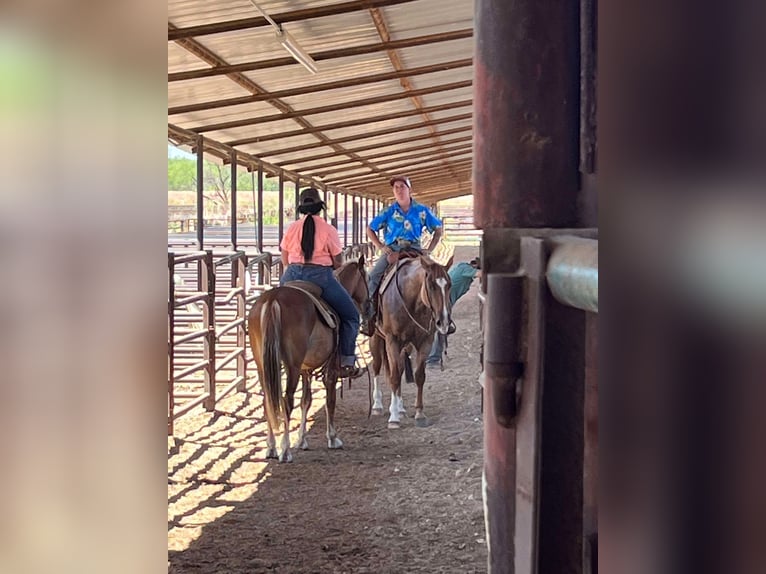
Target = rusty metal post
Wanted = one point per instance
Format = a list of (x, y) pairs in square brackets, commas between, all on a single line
[(171, 338), (502, 371), (200, 193), (345, 219), (281, 206), (239, 267), (259, 239), (233, 200), (208, 322), (526, 112), (297, 197), (525, 173), (590, 453)]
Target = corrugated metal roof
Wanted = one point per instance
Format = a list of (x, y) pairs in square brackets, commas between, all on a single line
[(392, 91)]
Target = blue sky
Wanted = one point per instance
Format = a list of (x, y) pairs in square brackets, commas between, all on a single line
[(174, 152)]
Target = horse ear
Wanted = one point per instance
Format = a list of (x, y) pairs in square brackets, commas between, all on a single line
[(449, 261), (361, 261)]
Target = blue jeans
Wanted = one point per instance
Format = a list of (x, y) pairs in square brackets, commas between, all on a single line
[(436, 351), (337, 297)]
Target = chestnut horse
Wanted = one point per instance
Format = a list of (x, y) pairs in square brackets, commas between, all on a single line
[(286, 329), (413, 307)]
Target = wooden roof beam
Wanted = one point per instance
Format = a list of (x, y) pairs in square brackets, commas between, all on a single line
[(282, 18), (352, 82), (380, 24), (376, 146), (330, 108), (389, 154), (223, 70), (210, 57), (411, 159), (382, 132), (412, 173), (348, 124)]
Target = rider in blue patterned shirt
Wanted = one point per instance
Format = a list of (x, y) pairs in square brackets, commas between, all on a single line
[(403, 222)]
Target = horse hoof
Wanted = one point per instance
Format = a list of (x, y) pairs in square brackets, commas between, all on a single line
[(335, 443), (304, 445), (377, 411), (421, 422), (393, 424), (287, 456), (271, 453)]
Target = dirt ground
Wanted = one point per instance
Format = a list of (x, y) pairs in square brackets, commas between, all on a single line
[(391, 501)]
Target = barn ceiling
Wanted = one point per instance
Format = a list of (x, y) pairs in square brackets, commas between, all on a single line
[(391, 94)]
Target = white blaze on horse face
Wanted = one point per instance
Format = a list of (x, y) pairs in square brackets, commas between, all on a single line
[(442, 283)]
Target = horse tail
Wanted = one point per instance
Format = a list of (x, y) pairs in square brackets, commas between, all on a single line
[(272, 385), (409, 376)]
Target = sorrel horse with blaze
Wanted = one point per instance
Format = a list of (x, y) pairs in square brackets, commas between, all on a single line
[(413, 307), (286, 329)]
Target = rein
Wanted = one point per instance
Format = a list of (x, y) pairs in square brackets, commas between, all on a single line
[(399, 292)]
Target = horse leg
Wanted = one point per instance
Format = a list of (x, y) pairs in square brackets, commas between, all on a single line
[(402, 409), (271, 441), (331, 381), (303, 444), (420, 380), (287, 407), (395, 381), (378, 350)]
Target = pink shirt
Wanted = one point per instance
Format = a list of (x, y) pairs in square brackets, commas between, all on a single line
[(326, 242)]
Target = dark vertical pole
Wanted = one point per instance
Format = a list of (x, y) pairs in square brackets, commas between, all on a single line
[(345, 219), (526, 113), (525, 174), (200, 194), (171, 340), (297, 196), (208, 322), (324, 198), (590, 452), (259, 239), (233, 200), (281, 206)]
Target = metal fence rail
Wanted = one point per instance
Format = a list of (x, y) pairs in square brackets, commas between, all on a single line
[(209, 295)]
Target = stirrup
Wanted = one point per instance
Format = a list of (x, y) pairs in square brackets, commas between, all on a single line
[(351, 372), (452, 327)]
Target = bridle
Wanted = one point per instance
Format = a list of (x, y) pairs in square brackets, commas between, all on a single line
[(428, 297)]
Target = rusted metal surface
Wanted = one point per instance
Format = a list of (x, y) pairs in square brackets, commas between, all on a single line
[(588, 86), (590, 452), (529, 420), (200, 195), (259, 240), (281, 205), (526, 79), (171, 337), (207, 276), (233, 225), (572, 272)]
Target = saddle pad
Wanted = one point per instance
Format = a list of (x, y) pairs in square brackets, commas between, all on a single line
[(329, 316), (391, 272)]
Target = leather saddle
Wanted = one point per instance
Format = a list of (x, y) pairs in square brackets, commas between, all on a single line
[(326, 313), (396, 261)]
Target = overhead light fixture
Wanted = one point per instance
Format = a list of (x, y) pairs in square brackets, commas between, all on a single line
[(300, 55), (289, 43)]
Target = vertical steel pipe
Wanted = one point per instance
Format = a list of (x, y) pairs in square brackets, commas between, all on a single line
[(526, 111), (200, 193), (259, 240), (233, 200), (281, 206)]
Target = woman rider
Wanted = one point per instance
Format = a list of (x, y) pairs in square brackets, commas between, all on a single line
[(310, 251)]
